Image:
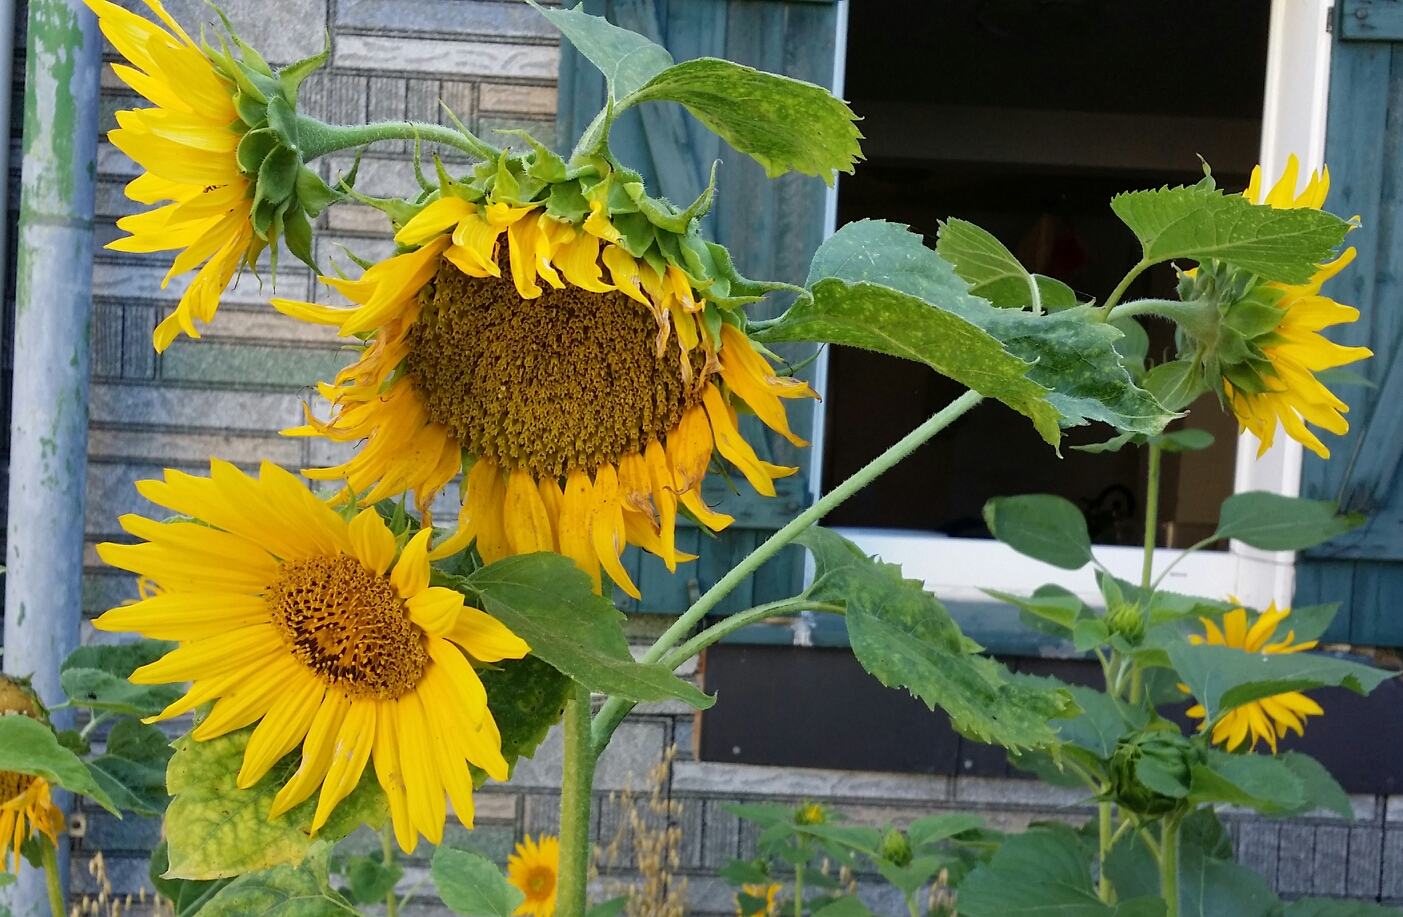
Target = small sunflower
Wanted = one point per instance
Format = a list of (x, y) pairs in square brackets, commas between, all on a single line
[(26, 804), (1295, 349), (188, 144), (1271, 717), (589, 408), (534, 867), (768, 893), (325, 633)]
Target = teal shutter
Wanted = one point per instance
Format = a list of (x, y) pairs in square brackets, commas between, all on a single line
[(771, 227), (1364, 150)]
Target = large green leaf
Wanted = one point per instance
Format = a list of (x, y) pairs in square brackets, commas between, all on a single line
[(472, 885), (27, 746), (782, 123), (994, 273), (1260, 782), (1045, 872), (1199, 223), (1100, 725), (1072, 352), (133, 768), (1045, 527), (1322, 791), (186, 896), (627, 59), (1338, 907), (1273, 522), (282, 891), (526, 697), (904, 636), (216, 830), (96, 677), (550, 603), (1210, 883), (1222, 678)]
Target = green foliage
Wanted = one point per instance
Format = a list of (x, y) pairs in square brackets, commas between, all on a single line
[(781, 122), (472, 885), (1200, 223), (28, 746), (1043, 526), (627, 60), (369, 879), (186, 896), (1337, 907), (1273, 522), (216, 830), (96, 677), (1046, 870), (526, 697), (995, 274), (1223, 678), (1210, 883), (550, 603), (133, 768), (282, 891), (904, 636)]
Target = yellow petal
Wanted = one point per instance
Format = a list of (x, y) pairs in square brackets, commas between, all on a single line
[(354, 741), (411, 573), (575, 510), (527, 524), (372, 542)]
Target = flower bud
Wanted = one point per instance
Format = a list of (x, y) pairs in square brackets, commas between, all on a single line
[(1151, 772), (1127, 620), (810, 813), (896, 848)]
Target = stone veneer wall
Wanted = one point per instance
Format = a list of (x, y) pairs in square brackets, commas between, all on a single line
[(227, 394)]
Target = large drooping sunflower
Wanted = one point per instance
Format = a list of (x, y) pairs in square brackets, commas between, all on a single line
[(589, 407), (26, 804), (187, 143), (534, 867), (1296, 349), (1271, 717), (325, 633)]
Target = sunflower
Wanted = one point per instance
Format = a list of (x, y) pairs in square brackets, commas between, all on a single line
[(1271, 717), (534, 867), (187, 144), (323, 632), (1297, 350), (26, 804), (768, 893), (589, 409)]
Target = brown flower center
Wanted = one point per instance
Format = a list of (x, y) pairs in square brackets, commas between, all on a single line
[(571, 379), (12, 785), (348, 626), (540, 882)]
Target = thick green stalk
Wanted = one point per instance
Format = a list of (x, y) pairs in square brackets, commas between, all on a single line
[(1121, 287), (317, 138), (49, 856), (1107, 839), (615, 709), (735, 622), (1169, 865), (576, 795), (799, 890), (387, 856), (1147, 569)]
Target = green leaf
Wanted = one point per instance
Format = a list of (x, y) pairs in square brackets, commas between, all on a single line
[(1048, 605), (743, 872), (911, 877), (1176, 384), (1043, 526), (857, 837), (1260, 782), (1273, 522), (1043, 872), (96, 677), (1199, 223), (472, 885), (1322, 791), (371, 880), (27, 746), (1223, 678), (1189, 440), (282, 891), (216, 830), (994, 273), (934, 828), (550, 603), (1089, 633), (187, 896), (133, 768), (843, 906), (904, 636), (1210, 883), (627, 59), (1100, 725), (780, 122), (1338, 907), (611, 908), (526, 697)]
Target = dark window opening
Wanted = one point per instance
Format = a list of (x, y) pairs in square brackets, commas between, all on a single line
[(1025, 117)]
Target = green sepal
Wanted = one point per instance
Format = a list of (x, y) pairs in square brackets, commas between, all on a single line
[(314, 194), (290, 77), (637, 231), (546, 165), (283, 121), (297, 236), (566, 203), (254, 147)]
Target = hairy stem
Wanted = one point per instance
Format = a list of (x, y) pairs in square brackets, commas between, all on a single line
[(735, 622), (1169, 865), (1121, 287), (387, 856), (48, 855), (1106, 840), (1147, 568), (615, 709), (317, 138), (799, 890), (576, 792)]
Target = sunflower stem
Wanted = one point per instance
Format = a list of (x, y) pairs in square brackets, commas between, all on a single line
[(48, 854), (318, 138), (387, 856), (1121, 287), (1169, 865), (1107, 839), (1147, 568), (615, 709), (735, 622), (576, 795)]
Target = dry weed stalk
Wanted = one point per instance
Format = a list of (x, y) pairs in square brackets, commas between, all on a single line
[(655, 845), (942, 898), (104, 903)]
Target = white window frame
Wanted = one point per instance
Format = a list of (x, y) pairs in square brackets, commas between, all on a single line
[(956, 569)]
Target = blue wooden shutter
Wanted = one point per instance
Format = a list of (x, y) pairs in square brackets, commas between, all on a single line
[(1364, 570), (771, 227)]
